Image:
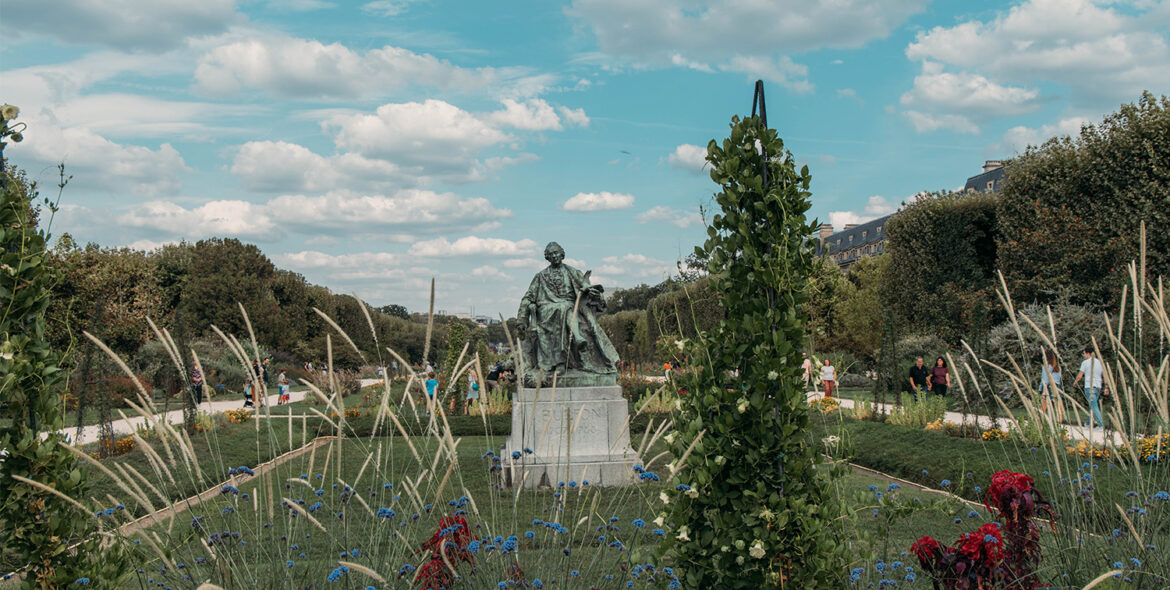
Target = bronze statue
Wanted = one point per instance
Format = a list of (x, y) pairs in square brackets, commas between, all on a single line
[(560, 311)]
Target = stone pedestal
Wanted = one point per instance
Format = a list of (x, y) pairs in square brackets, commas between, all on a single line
[(574, 434)]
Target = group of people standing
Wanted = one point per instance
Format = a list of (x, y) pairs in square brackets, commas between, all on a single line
[(828, 374)]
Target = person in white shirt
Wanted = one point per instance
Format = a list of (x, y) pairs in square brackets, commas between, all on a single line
[(828, 377), (1093, 372), (808, 367)]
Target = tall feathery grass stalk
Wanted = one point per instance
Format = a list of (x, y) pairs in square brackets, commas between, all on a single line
[(359, 508), (1111, 488)]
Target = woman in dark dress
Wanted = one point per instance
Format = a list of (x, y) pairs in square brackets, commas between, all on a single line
[(940, 377)]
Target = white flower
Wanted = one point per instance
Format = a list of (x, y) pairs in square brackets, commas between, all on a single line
[(669, 438), (6, 356), (719, 460), (773, 375), (692, 493), (757, 550), (681, 344), (660, 520), (743, 405), (682, 534), (739, 544), (725, 548), (678, 404), (739, 560), (662, 496)]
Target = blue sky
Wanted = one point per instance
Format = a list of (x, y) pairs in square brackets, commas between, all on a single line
[(373, 145)]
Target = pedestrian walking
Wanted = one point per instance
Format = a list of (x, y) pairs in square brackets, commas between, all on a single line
[(472, 390), (666, 370), (828, 377), (264, 369), (249, 394), (1050, 385), (197, 385), (1093, 372), (919, 376), (431, 384), (940, 376)]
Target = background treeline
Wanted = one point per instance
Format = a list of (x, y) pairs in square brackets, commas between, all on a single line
[(1062, 231)]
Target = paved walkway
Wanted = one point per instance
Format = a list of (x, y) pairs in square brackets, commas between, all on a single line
[(89, 433), (1097, 436)]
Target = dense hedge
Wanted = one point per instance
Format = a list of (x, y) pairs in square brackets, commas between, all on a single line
[(1071, 208)]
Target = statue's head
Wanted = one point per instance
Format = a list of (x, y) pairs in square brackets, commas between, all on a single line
[(554, 253)]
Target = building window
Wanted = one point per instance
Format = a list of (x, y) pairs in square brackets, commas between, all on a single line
[(879, 229), (990, 185), (864, 233)]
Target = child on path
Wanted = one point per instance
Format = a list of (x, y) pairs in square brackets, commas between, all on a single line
[(431, 384), (283, 385), (248, 394), (472, 390), (828, 377)]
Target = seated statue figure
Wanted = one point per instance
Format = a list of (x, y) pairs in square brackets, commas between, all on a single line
[(564, 338)]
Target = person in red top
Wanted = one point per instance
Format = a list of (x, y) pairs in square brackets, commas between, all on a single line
[(940, 377)]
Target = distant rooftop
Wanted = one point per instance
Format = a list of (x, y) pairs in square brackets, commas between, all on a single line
[(990, 179)]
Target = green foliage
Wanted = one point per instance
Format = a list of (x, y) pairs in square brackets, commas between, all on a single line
[(941, 274), (844, 310), (37, 528), (634, 298), (1071, 208), (1075, 327), (684, 311), (916, 410), (395, 311), (629, 332), (753, 473)]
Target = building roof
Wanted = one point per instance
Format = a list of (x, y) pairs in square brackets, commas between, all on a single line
[(863, 234), (979, 182)]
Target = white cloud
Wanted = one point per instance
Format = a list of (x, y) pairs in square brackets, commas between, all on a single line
[(131, 25), (306, 68), (488, 272), (675, 217), (387, 7), (149, 245), (535, 115), (1018, 138), (782, 71), (876, 206), (1101, 51), (688, 157), (925, 122), (635, 267), (309, 259), (97, 162), (472, 246), (524, 263), (937, 94), (298, 5), (432, 137), (216, 218), (575, 117), (682, 33), (602, 201)]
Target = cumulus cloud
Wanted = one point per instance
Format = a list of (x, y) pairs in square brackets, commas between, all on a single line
[(472, 246), (395, 218), (635, 267), (536, 115), (925, 122), (99, 163), (310, 259), (488, 272), (679, 33), (937, 97), (307, 68), (876, 206), (1099, 51), (602, 201), (676, 217), (230, 218), (434, 137), (1018, 138), (691, 158), (132, 25), (782, 70)]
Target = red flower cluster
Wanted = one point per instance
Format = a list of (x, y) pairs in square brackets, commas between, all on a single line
[(983, 545), (448, 546), (992, 557)]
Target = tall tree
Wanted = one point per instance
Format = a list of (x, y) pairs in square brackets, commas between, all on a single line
[(757, 511)]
